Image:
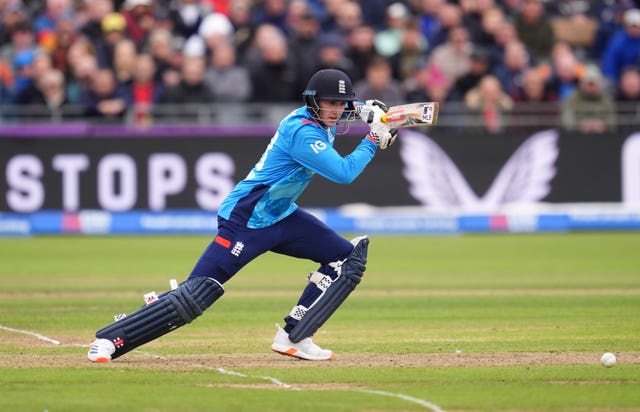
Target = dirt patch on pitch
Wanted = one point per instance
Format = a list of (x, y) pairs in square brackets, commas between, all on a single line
[(31, 352), (406, 359), (74, 355)]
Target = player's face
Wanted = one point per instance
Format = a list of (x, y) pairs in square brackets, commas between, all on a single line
[(330, 111)]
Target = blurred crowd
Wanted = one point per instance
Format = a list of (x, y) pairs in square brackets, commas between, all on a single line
[(111, 57)]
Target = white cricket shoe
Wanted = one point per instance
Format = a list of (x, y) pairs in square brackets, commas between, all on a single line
[(305, 349), (100, 351)]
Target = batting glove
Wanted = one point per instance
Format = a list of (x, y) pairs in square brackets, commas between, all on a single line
[(382, 135), (367, 111), (379, 132)]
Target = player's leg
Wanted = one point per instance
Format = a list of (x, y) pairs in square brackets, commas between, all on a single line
[(230, 250), (172, 310), (342, 264)]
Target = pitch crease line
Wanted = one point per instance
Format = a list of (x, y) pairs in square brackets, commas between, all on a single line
[(223, 371), (30, 333), (421, 402)]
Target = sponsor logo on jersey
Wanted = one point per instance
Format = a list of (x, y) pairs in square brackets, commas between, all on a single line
[(318, 146)]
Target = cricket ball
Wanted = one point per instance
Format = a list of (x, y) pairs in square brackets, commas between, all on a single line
[(608, 360)]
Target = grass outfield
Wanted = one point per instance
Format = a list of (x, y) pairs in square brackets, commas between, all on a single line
[(473, 323)]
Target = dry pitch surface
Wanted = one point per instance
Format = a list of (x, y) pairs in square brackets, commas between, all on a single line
[(146, 357)]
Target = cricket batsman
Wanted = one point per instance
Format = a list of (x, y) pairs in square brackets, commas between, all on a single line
[(260, 215)]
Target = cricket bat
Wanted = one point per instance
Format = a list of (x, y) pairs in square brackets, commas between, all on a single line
[(412, 115)]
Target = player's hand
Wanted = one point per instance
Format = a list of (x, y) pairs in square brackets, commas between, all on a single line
[(372, 110), (383, 135), (380, 132)]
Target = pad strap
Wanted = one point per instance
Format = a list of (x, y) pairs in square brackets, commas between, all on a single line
[(349, 276), (322, 281)]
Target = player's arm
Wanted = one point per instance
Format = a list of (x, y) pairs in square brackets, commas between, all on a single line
[(315, 154)]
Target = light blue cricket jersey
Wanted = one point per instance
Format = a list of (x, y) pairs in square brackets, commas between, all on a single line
[(299, 149)]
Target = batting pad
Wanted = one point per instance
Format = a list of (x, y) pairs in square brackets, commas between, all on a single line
[(349, 277), (178, 307)]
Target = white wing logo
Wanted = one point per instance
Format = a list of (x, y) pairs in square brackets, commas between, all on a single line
[(436, 181)]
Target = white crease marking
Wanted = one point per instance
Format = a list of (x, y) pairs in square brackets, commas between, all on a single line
[(223, 371), (28, 332)]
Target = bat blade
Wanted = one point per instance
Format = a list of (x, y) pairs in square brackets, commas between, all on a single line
[(412, 115)]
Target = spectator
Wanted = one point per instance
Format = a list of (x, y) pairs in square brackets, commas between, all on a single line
[(449, 17), (51, 94), (297, 12), (330, 11), (516, 61), (628, 89), (228, 81), (589, 109), (413, 46), (566, 70), (96, 11), (273, 12), (194, 47), (215, 29), (124, 61), (113, 31), (348, 17), (273, 71), (11, 14), (104, 101), (167, 59), (504, 34), (534, 30), (389, 40), (624, 48), (303, 42), (46, 20), (428, 17), (32, 93), (610, 21), (379, 84), (244, 29), (478, 68), (453, 57), (427, 83), (331, 55), (145, 90), (22, 39), (534, 88), (628, 99), (83, 66), (23, 72), (488, 103), (474, 14), (535, 102), (491, 21), (140, 18), (360, 50), (191, 91), (64, 36), (186, 16)]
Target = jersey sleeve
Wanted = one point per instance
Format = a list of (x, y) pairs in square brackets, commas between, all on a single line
[(310, 149)]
